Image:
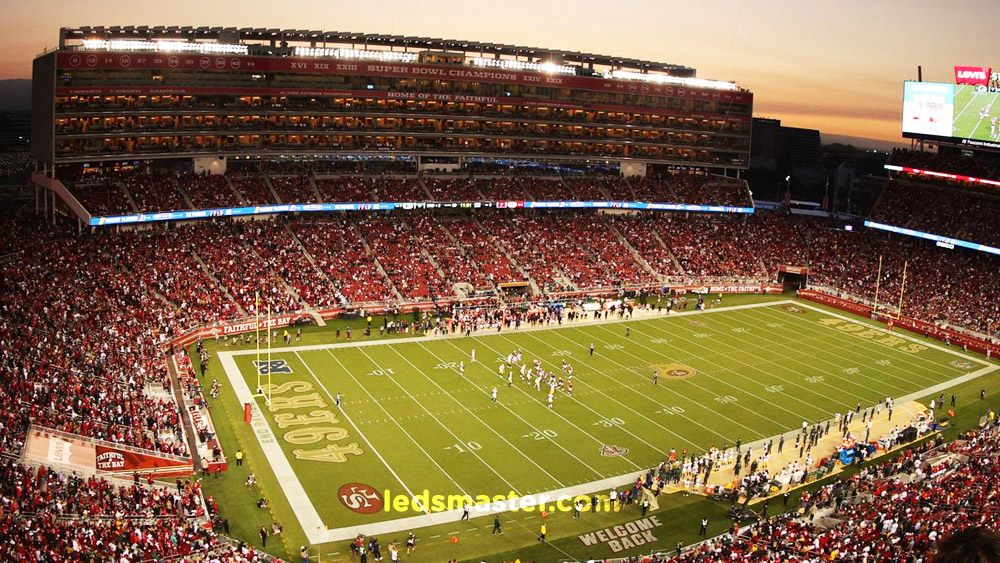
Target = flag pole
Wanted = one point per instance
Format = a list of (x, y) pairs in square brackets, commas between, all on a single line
[(902, 288), (878, 281)]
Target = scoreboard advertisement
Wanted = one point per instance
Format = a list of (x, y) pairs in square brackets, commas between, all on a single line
[(965, 113)]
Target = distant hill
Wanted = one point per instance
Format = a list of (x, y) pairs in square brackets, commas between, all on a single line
[(864, 143), (15, 95)]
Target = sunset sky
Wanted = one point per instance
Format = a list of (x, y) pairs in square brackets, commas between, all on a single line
[(834, 66)]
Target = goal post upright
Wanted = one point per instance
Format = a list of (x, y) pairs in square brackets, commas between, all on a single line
[(902, 290), (256, 312), (267, 398), (878, 282)]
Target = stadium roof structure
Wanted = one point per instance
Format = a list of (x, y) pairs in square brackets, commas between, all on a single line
[(279, 38)]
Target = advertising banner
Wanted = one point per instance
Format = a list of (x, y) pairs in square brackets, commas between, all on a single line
[(120, 460), (301, 65)]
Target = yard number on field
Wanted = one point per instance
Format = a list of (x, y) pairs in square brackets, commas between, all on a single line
[(386, 371), (726, 399), (466, 447), (541, 434), (609, 422)]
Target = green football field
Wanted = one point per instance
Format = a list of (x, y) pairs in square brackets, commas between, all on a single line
[(410, 424), (968, 122)]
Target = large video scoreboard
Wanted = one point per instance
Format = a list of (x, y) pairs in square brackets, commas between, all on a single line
[(965, 113)]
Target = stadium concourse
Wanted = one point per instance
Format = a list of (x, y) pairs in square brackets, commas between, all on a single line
[(84, 316)]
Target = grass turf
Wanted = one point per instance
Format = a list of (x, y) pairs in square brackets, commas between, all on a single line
[(968, 122), (758, 372)]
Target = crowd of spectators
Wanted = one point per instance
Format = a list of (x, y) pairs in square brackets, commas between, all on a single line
[(898, 510), (402, 257), (341, 255), (78, 340), (346, 189), (227, 252), (164, 263), (457, 266), (82, 317), (481, 247), (154, 192), (294, 189), (453, 189), (208, 191), (101, 196), (254, 189), (55, 517), (941, 210)]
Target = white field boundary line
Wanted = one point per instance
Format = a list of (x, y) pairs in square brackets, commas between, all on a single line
[(384, 410), (347, 417), (378, 365), (853, 348), (313, 526), (298, 499), (487, 332), (923, 342)]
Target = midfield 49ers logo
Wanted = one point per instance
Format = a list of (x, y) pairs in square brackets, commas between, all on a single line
[(610, 450), (360, 498)]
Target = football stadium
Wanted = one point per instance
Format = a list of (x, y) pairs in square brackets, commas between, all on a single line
[(289, 295)]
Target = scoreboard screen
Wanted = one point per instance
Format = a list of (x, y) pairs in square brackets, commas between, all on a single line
[(964, 114)]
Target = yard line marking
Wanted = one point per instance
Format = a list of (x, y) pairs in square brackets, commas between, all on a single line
[(594, 370), (505, 440), (967, 104), (630, 388), (360, 433), (436, 419), (693, 384), (295, 493), (550, 544), (743, 351), (434, 537), (398, 425), (902, 335), (601, 442), (850, 349), (519, 417), (907, 358)]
